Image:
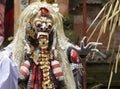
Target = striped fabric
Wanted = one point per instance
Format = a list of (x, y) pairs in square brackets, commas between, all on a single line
[(35, 79), (57, 70), (24, 70)]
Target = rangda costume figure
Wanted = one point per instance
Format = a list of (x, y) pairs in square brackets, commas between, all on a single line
[(46, 58)]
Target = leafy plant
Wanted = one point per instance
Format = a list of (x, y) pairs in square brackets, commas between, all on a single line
[(68, 22)]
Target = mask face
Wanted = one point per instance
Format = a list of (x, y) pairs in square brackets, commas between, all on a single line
[(39, 26), (42, 24), (38, 35)]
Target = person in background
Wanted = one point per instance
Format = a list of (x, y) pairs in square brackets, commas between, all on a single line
[(6, 22), (9, 19), (2, 7)]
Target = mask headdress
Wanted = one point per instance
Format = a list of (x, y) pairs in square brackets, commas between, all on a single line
[(44, 11)]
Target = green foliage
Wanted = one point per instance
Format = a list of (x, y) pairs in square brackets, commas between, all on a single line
[(72, 35), (68, 28), (68, 22)]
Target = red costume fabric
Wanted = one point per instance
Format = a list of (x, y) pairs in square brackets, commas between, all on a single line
[(74, 56), (32, 72), (36, 78)]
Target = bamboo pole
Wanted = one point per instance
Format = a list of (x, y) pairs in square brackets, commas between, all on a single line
[(84, 33)]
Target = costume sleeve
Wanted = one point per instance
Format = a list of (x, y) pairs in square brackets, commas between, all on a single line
[(24, 70), (73, 55), (8, 72), (57, 70)]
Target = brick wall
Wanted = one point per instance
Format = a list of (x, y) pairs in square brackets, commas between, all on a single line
[(63, 5)]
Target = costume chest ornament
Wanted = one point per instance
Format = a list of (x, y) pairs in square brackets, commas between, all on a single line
[(42, 56)]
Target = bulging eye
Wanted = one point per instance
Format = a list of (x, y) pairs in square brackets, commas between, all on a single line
[(38, 24), (49, 25)]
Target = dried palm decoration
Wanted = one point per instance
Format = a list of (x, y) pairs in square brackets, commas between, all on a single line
[(110, 14)]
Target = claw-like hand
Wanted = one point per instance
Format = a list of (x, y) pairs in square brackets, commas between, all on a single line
[(84, 50)]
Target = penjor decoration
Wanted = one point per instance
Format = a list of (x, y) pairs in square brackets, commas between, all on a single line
[(45, 57)]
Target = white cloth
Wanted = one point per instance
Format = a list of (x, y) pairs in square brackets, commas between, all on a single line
[(8, 71)]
